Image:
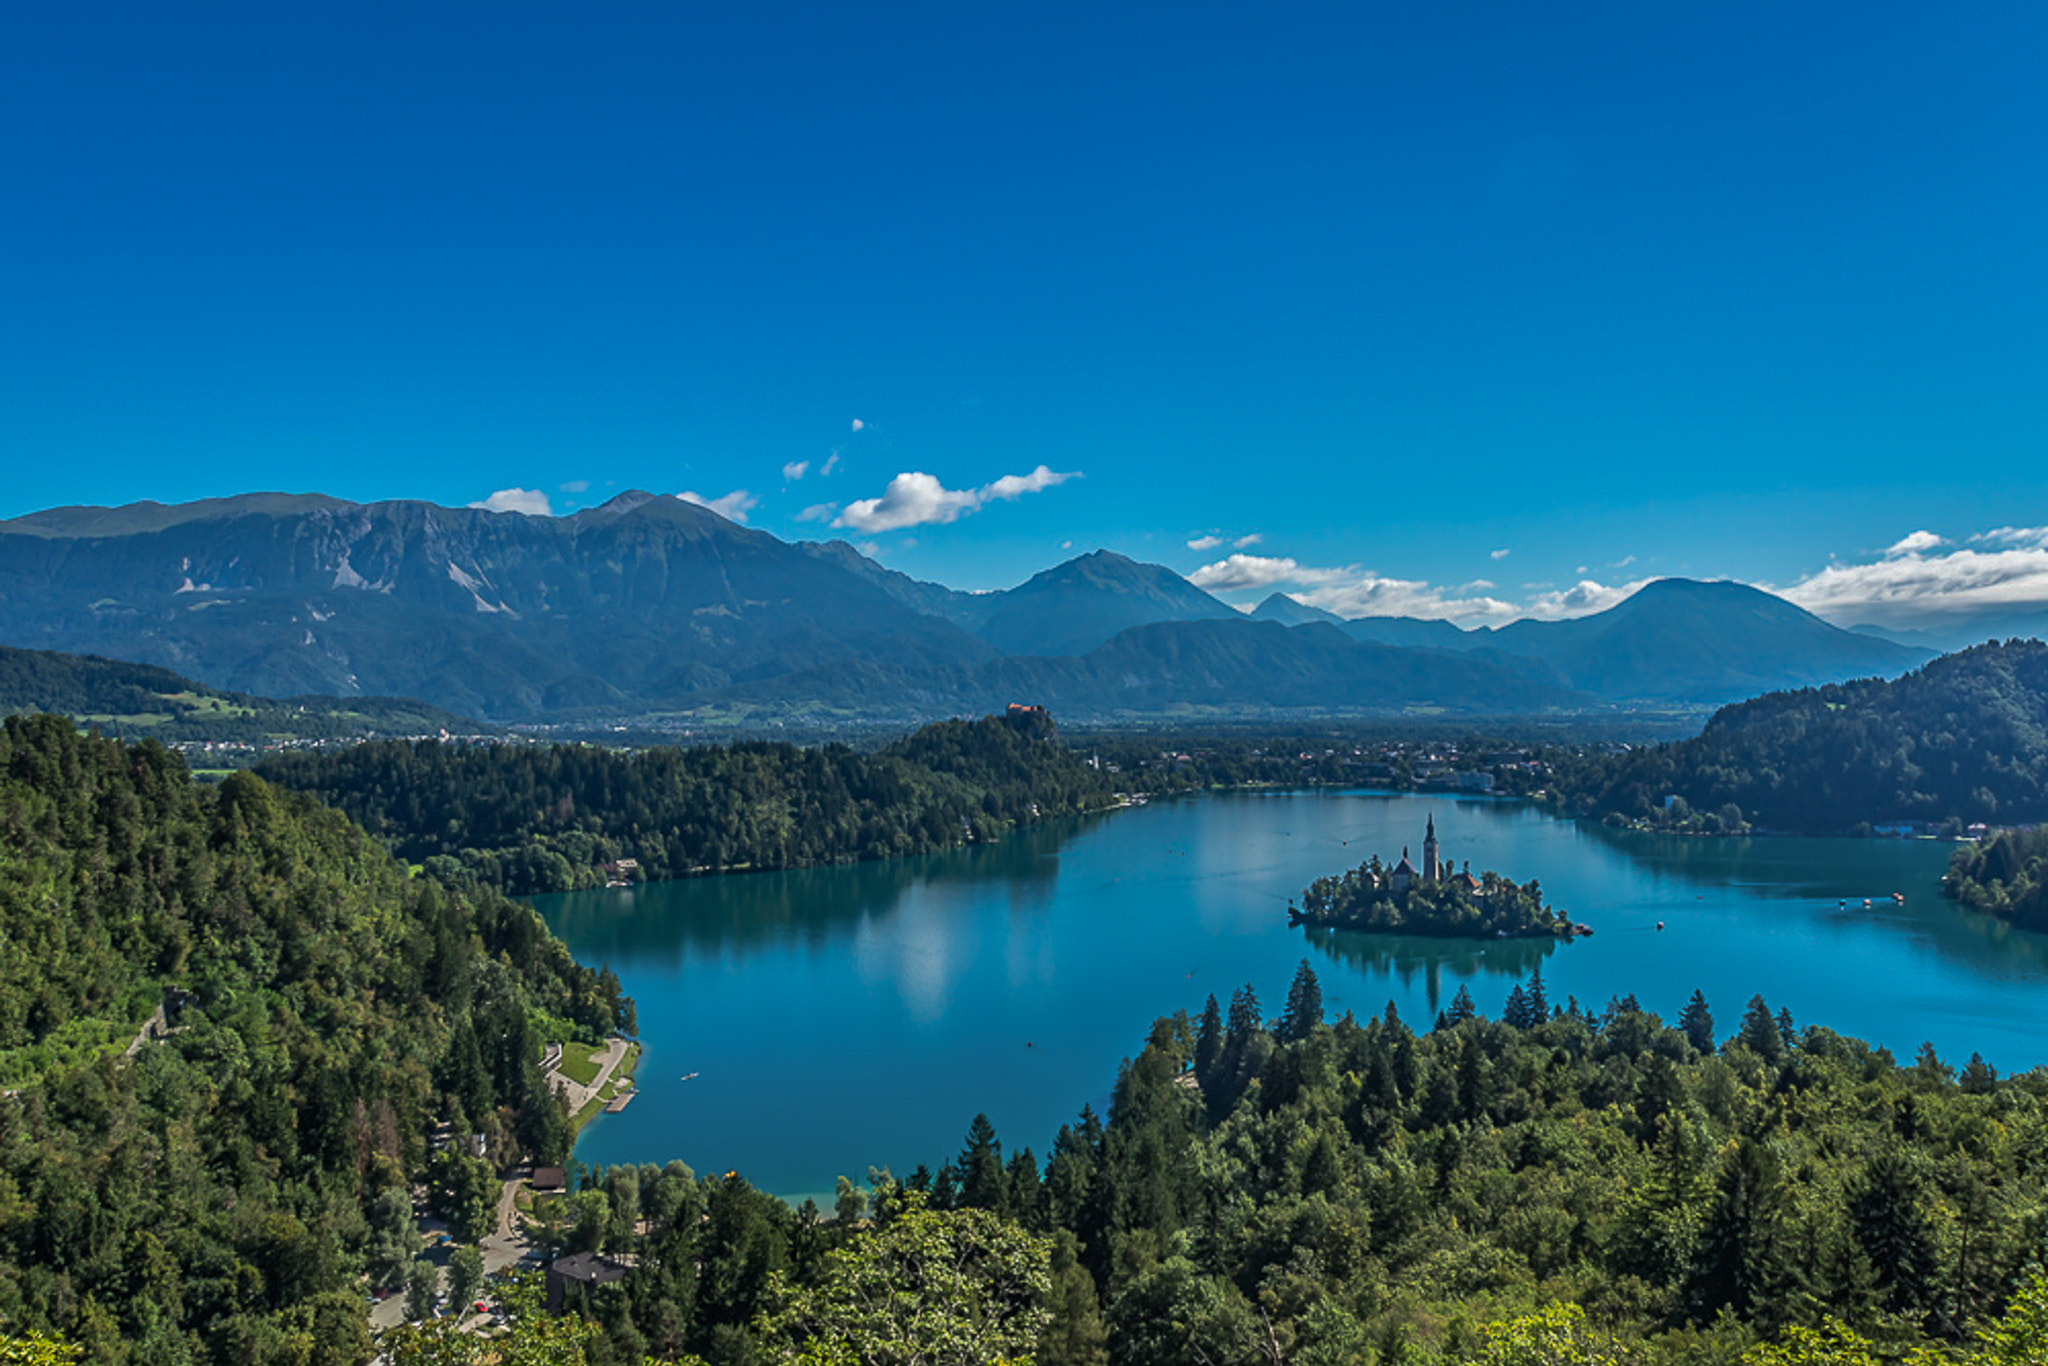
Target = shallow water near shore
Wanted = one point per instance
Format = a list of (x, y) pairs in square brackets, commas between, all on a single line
[(842, 1018)]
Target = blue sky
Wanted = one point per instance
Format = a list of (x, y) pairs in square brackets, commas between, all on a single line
[(1618, 290)]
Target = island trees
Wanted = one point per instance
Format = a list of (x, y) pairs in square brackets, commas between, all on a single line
[(1489, 906)]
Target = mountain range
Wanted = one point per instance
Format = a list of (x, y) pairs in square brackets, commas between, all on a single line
[(651, 606)]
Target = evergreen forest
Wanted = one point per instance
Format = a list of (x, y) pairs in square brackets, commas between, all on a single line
[(1963, 739), (541, 818), (1488, 906), (240, 1050), (2005, 875), (1558, 1186)]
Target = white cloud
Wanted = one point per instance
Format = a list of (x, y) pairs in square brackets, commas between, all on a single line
[(532, 502), (831, 464), (576, 486), (1365, 594), (2027, 537), (1914, 544), (1910, 587), (1623, 563), (1248, 540), (818, 512), (914, 498), (1013, 486), (1351, 591), (1066, 545), (1205, 542), (1582, 599), (795, 470), (1500, 554), (1246, 571), (734, 506), (858, 424)]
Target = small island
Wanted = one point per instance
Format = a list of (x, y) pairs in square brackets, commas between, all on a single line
[(1431, 900)]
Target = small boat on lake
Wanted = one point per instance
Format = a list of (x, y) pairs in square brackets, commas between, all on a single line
[(692, 1076)]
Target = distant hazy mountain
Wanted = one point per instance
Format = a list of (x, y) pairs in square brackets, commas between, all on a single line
[(1222, 666), (1074, 607), (1414, 633), (1683, 641), (1288, 612), (1962, 633), (638, 604), (919, 595), (1066, 610)]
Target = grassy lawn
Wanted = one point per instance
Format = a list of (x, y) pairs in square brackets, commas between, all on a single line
[(580, 1064)]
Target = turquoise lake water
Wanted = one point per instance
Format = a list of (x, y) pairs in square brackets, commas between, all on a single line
[(842, 1018)]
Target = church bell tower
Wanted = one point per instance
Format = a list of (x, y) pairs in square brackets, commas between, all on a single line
[(1431, 871)]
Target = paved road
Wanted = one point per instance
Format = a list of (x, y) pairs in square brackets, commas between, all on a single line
[(505, 1246)]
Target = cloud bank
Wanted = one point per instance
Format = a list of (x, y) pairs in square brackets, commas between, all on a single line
[(1351, 591), (532, 502), (734, 506), (1999, 571), (914, 498)]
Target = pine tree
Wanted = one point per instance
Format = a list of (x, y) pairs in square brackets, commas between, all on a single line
[(1891, 1225), (1076, 1336), (1516, 1009), (982, 1180), (1462, 1008), (1697, 1022), (1244, 1019), (1741, 1263), (1304, 1008), (1759, 1032), (1539, 999), (1208, 1041)]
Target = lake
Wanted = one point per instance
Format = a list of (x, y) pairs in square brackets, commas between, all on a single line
[(839, 1018)]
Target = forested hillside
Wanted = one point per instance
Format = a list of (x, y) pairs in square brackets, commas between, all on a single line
[(2005, 875), (551, 818), (1964, 738), (219, 1193), (141, 701), (1290, 1190)]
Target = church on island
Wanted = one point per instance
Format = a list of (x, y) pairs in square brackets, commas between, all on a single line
[(1434, 899), (1433, 870)]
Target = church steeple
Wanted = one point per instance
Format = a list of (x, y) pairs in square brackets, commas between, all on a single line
[(1430, 869)]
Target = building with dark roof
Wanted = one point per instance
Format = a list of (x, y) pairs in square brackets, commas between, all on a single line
[(588, 1270)]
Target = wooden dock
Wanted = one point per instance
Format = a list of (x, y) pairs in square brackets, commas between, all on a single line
[(620, 1101)]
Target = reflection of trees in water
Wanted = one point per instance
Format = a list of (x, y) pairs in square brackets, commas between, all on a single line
[(1784, 865), (738, 913), (1995, 940), (1831, 871), (1405, 957)]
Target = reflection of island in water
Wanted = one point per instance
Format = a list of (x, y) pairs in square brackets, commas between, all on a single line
[(747, 913), (1405, 958)]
